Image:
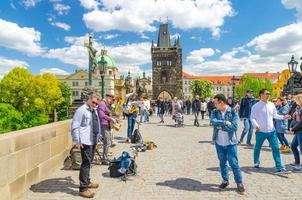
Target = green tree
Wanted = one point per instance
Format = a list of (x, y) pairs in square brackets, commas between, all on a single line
[(203, 88), (64, 106), (16, 88), (256, 84), (36, 97), (48, 93), (10, 118)]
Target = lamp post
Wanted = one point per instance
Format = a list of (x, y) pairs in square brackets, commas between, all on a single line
[(234, 79), (102, 70), (292, 67)]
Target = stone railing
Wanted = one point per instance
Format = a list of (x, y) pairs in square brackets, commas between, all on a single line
[(27, 156)]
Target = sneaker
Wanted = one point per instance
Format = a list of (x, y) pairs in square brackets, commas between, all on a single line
[(256, 166), (224, 184), (286, 150), (87, 194), (250, 145), (240, 188), (282, 147), (93, 185), (282, 171), (297, 168)]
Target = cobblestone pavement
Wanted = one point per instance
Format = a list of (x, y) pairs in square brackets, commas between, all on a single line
[(184, 166)]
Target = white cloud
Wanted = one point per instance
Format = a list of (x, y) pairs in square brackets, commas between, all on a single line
[(61, 8), (294, 4), (8, 64), (23, 39), (143, 36), (266, 52), (139, 16), (109, 36), (55, 71), (90, 4), (61, 25), (174, 36), (198, 56), (124, 55), (29, 3)]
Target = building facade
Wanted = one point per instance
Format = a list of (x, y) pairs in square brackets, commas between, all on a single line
[(225, 84), (221, 84), (79, 80), (166, 66)]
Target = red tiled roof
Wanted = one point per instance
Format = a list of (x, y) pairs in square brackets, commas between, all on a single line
[(226, 80), (223, 80)]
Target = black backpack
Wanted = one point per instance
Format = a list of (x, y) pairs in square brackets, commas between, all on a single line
[(113, 169), (136, 137)]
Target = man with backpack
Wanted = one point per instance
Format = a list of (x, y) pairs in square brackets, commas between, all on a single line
[(225, 122), (85, 131), (105, 119)]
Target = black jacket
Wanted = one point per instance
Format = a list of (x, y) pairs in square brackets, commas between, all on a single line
[(196, 105), (246, 107)]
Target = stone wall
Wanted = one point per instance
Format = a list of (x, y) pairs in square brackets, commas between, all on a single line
[(27, 156)]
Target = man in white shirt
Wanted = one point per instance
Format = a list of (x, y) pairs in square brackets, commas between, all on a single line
[(225, 122), (262, 116)]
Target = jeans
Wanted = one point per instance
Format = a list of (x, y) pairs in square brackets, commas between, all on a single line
[(188, 110), (161, 116), (248, 128), (196, 114), (131, 124), (282, 139), (87, 154), (106, 141), (202, 114), (229, 153), (272, 139), (297, 141)]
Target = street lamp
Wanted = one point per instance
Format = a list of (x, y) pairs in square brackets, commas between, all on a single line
[(234, 79), (292, 67), (102, 70)]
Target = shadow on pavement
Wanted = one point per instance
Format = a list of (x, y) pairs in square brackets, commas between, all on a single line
[(250, 170), (54, 185), (191, 185), (205, 142)]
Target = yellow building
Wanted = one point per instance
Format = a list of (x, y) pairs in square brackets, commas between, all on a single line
[(279, 84)]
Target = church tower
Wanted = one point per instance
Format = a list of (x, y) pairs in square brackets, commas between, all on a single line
[(166, 66)]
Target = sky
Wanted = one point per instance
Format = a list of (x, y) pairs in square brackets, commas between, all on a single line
[(218, 37)]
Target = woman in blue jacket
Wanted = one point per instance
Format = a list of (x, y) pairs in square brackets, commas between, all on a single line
[(281, 125)]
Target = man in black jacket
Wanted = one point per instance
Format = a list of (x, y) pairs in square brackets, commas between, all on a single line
[(244, 113), (196, 108)]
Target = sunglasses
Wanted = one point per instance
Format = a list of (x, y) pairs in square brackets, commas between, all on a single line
[(94, 103)]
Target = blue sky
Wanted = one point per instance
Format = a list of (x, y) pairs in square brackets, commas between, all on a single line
[(217, 36)]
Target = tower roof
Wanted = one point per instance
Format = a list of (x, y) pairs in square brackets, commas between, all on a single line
[(163, 36)]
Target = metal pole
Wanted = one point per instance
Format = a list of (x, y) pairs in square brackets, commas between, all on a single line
[(292, 84), (102, 86)]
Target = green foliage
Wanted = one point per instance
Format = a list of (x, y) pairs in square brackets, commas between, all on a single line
[(203, 88), (10, 118), (256, 84), (31, 99), (16, 88), (63, 107)]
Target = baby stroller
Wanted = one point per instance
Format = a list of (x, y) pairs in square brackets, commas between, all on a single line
[(179, 119)]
